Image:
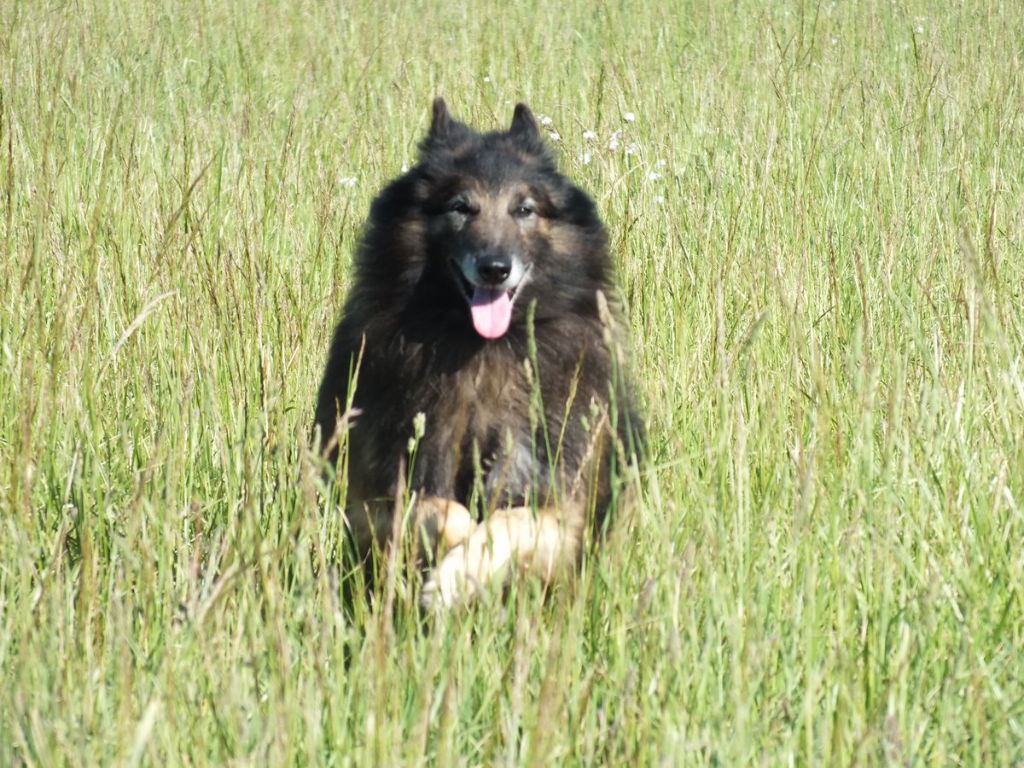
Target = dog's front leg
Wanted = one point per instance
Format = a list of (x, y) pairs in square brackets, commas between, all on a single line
[(436, 521), (439, 521), (544, 542), (439, 525)]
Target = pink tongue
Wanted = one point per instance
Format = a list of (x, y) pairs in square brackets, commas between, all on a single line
[(492, 312)]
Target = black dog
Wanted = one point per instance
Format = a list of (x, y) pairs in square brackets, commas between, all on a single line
[(482, 299)]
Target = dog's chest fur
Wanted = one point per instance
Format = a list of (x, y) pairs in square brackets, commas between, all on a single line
[(477, 422)]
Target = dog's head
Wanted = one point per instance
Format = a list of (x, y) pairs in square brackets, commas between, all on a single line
[(502, 225)]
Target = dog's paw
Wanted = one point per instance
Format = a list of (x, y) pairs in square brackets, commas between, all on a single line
[(451, 582), (441, 522), (458, 525), (468, 568)]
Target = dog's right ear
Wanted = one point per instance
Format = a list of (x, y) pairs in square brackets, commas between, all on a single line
[(440, 122), (445, 131)]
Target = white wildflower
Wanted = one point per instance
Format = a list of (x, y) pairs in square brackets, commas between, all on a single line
[(633, 148), (347, 181), (653, 176), (554, 135), (659, 199), (545, 120), (589, 136), (629, 117), (585, 158)]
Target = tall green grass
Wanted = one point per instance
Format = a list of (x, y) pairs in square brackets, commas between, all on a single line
[(816, 213)]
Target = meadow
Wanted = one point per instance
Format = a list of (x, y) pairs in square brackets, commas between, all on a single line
[(817, 216)]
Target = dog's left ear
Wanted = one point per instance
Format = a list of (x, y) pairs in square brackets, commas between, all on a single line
[(523, 124)]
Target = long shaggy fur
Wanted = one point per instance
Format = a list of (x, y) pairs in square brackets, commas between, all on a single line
[(535, 419)]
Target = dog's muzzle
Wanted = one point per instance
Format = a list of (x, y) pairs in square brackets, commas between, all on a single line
[(491, 282)]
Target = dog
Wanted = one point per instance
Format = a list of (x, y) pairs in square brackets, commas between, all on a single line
[(478, 364)]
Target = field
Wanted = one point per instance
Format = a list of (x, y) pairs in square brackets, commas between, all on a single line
[(817, 217)]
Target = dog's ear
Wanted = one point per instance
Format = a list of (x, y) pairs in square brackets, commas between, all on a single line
[(440, 122), (445, 131), (523, 125)]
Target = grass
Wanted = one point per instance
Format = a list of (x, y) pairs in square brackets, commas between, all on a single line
[(816, 214)]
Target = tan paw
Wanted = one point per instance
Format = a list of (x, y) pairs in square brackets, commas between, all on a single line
[(467, 569), (447, 585), (458, 525), (443, 521)]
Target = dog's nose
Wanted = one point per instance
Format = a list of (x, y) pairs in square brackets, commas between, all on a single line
[(493, 268)]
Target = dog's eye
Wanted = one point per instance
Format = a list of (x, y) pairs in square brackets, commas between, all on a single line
[(524, 211), (461, 207)]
